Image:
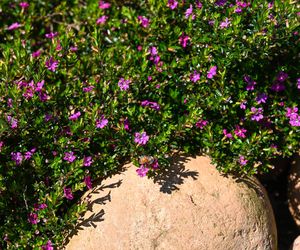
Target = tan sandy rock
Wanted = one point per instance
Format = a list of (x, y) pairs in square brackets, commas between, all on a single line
[(190, 206), (294, 190), (296, 244)]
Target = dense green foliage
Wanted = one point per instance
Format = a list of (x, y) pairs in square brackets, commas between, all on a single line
[(86, 86)]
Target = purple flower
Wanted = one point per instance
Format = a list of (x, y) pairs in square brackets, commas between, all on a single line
[(250, 83), (189, 12), (43, 96), (293, 116), (17, 157), (143, 21), (36, 54), (101, 20), (243, 105), (124, 84), (227, 134), (153, 105), (240, 132), (51, 64), (48, 246), (69, 156), (211, 22), (195, 76), (270, 5), (282, 76), (102, 122), (87, 161), (48, 117), (24, 5), (103, 5), (278, 86), (212, 72), (295, 121), (29, 154), (198, 4), (183, 39), (75, 116), (256, 114), (88, 89), (242, 160), (153, 51), (141, 138), (225, 23), (39, 86), (298, 83), (14, 26), (33, 218), (220, 2), (261, 98), (73, 48), (126, 125), (290, 112), (1, 145), (51, 35), (88, 182), (142, 171), (201, 123), (43, 206), (68, 193), (172, 4), (12, 121)]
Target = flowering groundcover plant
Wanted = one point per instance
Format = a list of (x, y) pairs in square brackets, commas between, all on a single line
[(88, 85)]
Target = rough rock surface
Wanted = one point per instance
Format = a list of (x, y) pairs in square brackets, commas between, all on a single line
[(190, 206), (294, 190), (296, 244)]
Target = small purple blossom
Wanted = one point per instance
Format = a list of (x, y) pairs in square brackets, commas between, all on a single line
[(201, 123), (17, 157), (243, 105), (48, 246), (257, 114), (104, 5), (69, 156), (33, 218), (141, 138), (240, 132), (12, 122), (212, 72), (102, 19), (51, 35), (29, 154), (87, 161), (14, 26), (189, 12), (88, 89), (36, 54), (1, 145), (24, 5), (227, 134), (172, 4), (153, 51), (143, 21), (220, 2), (51, 64), (250, 83), (225, 23), (102, 122), (242, 161), (126, 124), (152, 105), (195, 76), (75, 116), (298, 83), (261, 98), (124, 84), (88, 182), (282, 76), (68, 193), (278, 86), (142, 171), (183, 40), (292, 114), (198, 4)]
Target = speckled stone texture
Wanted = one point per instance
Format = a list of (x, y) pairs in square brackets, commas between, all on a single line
[(189, 206)]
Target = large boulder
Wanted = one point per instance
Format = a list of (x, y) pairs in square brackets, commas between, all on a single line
[(294, 190), (190, 206)]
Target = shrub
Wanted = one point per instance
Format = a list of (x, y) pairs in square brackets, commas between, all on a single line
[(86, 86)]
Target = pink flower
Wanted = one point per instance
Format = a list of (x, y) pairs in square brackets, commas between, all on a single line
[(243, 105), (256, 114), (143, 21), (298, 83), (33, 218), (250, 83), (102, 122), (73, 48), (17, 157), (69, 156), (172, 4), (75, 116), (68, 193), (103, 5), (195, 76), (189, 12), (101, 19), (141, 138), (24, 5), (126, 125), (12, 121), (48, 246), (51, 64), (87, 161), (124, 84), (1, 145), (225, 24), (152, 105), (226, 134), (88, 182), (240, 132), (142, 171), (198, 4), (88, 89), (14, 26), (51, 35), (183, 39), (242, 160), (36, 54), (29, 154), (212, 72), (201, 123)]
